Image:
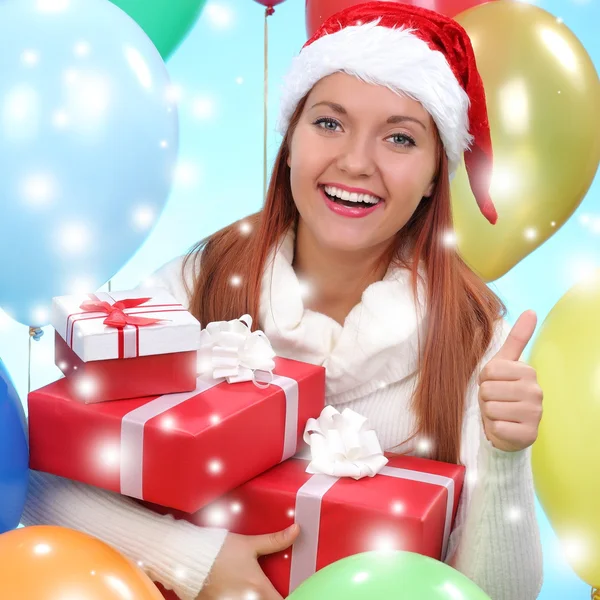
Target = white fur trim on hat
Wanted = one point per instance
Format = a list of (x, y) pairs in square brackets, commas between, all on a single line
[(395, 58)]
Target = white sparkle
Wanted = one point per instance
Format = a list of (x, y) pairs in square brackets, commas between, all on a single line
[(110, 455), (38, 189), (245, 228), (397, 508), (449, 239), (471, 476), (553, 224), (286, 556), (164, 144), (140, 564), (74, 238), (42, 549), (424, 446), (560, 21), (215, 466), (215, 419), (360, 577), (60, 119), (180, 573), (217, 517), (139, 66), (87, 387), (451, 592), (80, 285), (62, 365), (187, 174), (167, 423), (40, 314), (143, 217), (30, 58), (385, 543), (82, 49), (305, 289), (513, 514), (582, 270), (530, 233), (235, 280), (290, 513), (203, 108), (382, 384), (219, 15), (575, 550), (239, 80), (595, 225), (75, 368), (174, 93), (236, 508), (584, 219)]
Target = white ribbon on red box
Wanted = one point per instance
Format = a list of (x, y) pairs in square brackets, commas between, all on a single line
[(344, 445), (133, 425)]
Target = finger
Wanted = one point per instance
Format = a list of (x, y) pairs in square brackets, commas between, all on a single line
[(500, 369), (512, 412), (518, 435), (519, 336), (501, 391), (275, 542)]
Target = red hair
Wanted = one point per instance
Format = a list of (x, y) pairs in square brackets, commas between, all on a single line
[(461, 313)]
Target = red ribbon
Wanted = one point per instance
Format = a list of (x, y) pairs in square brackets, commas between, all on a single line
[(117, 318)]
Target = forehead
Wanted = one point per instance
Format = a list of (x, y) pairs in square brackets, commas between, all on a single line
[(357, 96)]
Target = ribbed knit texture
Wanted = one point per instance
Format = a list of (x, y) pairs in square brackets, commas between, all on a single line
[(370, 369)]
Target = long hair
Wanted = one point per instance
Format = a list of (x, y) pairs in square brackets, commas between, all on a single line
[(461, 309)]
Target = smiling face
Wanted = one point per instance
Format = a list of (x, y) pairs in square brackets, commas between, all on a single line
[(361, 157)]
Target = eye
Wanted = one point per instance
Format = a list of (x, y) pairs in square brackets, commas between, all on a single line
[(327, 123), (401, 139)]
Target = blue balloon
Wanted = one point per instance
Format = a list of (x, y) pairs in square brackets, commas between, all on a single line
[(14, 454), (88, 147)]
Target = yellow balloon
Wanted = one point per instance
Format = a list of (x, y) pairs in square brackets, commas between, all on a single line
[(566, 455), (543, 98)]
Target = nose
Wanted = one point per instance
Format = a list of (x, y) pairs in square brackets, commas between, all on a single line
[(356, 157)]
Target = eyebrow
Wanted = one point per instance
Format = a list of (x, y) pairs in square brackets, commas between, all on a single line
[(393, 120)]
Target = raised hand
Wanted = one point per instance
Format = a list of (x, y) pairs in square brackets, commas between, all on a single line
[(510, 398)]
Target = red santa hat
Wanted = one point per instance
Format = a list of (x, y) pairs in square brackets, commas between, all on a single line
[(413, 51)]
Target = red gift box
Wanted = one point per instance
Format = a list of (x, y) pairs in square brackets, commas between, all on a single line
[(125, 344), (182, 450), (410, 505)]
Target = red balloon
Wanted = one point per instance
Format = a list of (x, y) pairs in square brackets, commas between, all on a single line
[(269, 3), (318, 11)]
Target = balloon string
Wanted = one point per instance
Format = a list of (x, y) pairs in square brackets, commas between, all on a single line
[(595, 594), (35, 333), (268, 12), (109, 286)]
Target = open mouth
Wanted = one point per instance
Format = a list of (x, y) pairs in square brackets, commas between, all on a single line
[(350, 199)]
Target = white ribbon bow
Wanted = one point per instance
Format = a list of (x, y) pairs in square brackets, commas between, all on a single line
[(343, 445), (230, 350)]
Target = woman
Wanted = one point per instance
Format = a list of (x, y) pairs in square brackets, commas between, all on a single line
[(349, 265)]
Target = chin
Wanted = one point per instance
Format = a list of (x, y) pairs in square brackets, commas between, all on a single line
[(346, 239)]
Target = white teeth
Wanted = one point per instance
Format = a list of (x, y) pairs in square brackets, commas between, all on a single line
[(350, 196)]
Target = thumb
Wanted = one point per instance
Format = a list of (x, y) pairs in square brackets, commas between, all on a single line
[(519, 337), (275, 542)]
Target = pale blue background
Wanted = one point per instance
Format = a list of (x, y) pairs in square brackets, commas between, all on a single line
[(221, 180)]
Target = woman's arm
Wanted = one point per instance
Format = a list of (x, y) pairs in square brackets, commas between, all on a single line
[(496, 540), (175, 553)]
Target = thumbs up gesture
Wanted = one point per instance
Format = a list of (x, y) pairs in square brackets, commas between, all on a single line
[(510, 398)]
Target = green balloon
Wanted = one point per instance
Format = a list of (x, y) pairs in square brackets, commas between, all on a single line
[(388, 576), (166, 22)]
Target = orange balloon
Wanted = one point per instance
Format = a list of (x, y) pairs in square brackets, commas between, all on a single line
[(55, 563)]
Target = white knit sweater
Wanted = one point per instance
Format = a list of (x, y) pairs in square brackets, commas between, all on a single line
[(370, 365)]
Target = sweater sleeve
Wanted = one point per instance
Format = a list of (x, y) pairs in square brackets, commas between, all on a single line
[(496, 540), (172, 552)]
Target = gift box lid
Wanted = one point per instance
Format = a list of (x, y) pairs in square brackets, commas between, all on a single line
[(81, 320)]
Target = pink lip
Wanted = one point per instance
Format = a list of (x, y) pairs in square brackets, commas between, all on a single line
[(348, 211), (352, 190)]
